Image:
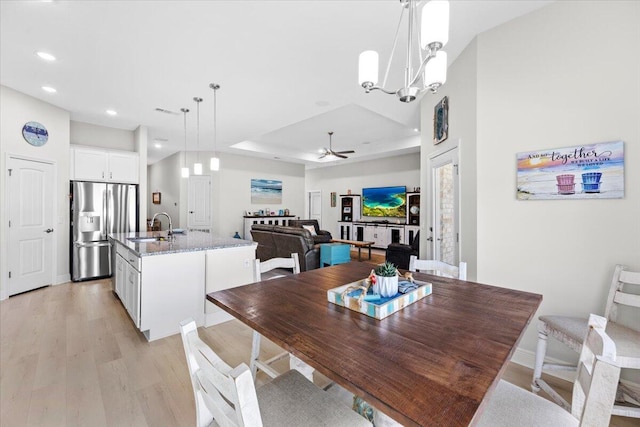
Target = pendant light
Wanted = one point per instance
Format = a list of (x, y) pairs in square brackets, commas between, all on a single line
[(215, 161), (185, 169), (197, 166)]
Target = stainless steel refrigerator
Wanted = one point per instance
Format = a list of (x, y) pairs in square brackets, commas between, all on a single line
[(97, 210)]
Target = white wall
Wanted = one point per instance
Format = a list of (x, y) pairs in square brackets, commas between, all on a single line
[(16, 109), (390, 171), (567, 74), (101, 136), (230, 188), (461, 90), (164, 177)]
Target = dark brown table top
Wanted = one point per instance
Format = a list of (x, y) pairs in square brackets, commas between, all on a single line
[(431, 363)]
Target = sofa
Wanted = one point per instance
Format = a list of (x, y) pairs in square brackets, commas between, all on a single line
[(399, 254), (278, 241), (321, 236)]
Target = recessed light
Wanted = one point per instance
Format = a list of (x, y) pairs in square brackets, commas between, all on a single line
[(49, 89), (416, 130), (157, 145), (46, 56), (112, 112)]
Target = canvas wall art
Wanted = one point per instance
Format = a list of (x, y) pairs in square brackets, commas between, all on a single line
[(592, 171), (266, 191)]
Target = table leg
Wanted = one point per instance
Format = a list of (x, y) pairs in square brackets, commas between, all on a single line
[(369, 252), (359, 252)]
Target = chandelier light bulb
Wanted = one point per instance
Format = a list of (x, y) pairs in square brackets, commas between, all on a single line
[(435, 23), (197, 168), (185, 172), (215, 164), (368, 67), (435, 72)]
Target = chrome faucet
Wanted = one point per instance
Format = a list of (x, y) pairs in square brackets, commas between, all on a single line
[(170, 232)]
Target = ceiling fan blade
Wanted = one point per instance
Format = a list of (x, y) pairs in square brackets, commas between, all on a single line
[(340, 155), (323, 156), (345, 152)]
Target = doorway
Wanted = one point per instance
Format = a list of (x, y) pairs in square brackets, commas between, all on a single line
[(199, 203), (444, 238), (31, 224), (315, 206)]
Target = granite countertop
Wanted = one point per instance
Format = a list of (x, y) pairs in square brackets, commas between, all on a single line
[(190, 241)]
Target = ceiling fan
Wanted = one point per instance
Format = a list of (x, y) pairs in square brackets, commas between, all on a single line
[(330, 152)]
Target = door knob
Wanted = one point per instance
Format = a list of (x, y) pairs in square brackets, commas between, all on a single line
[(191, 211), (430, 239), (49, 230)]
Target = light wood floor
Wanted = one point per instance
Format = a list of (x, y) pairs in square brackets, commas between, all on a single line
[(70, 356)]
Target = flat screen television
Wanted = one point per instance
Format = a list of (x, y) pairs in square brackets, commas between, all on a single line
[(384, 202)]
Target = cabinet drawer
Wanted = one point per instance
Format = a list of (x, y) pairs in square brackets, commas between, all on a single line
[(129, 256)]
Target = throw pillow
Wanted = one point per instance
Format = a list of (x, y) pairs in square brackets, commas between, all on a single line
[(311, 229)]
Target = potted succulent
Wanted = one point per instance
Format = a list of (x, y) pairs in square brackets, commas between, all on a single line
[(386, 280)]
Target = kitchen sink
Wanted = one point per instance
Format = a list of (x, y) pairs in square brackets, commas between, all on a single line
[(147, 239)]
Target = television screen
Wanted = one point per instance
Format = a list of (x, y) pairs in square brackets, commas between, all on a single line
[(384, 202)]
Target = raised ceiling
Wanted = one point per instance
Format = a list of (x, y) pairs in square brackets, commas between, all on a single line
[(287, 69)]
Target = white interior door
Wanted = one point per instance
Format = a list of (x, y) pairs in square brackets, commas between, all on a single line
[(31, 221), (199, 202), (315, 206), (444, 202)]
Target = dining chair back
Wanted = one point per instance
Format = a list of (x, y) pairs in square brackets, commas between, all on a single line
[(571, 331), (439, 268), (594, 391), (262, 267), (227, 396)]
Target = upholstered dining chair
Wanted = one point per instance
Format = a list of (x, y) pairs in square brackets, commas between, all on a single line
[(594, 391), (261, 270), (572, 330), (438, 268), (227, 396)]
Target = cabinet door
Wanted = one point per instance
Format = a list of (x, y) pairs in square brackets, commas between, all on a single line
[(120, 276), (133, 294), (89, 165), (123, 167)]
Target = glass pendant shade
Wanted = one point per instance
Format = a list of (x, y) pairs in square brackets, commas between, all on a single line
[(185, 172), (435, 72), (197, 168), (368, 67), (215, 164), (435, 23)]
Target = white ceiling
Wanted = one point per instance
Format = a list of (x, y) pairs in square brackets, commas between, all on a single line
[(287, 69)]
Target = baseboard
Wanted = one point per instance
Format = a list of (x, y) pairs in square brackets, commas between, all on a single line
[(62, 278), (217, 318), (528, 358)]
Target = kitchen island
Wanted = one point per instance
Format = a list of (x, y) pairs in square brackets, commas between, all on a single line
[(162, 280)]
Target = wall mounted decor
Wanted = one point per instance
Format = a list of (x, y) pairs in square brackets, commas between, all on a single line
[(35, 134), (266, 191), (441, 121), (333, 199), (155, 198), (592, 171)]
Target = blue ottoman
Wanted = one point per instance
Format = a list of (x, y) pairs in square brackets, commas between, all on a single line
[(334, 253)]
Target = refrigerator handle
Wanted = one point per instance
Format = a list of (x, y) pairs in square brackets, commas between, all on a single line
[(105, 220)]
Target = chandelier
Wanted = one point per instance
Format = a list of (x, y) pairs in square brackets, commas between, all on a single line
[(426, 66)]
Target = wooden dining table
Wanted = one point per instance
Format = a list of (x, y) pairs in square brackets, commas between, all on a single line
[(433, 363)]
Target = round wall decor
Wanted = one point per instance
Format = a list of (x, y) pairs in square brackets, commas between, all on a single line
[(35, 134)]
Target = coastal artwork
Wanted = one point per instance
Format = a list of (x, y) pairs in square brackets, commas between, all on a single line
[(384, 202), (266, 191), (592, 171)]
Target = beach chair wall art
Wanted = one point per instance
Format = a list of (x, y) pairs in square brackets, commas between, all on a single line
[(592, 171)]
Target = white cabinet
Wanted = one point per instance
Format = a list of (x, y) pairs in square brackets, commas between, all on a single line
[(128, 279), (123, 167), (132, 286), (378, 234), (89, 164), (381, 234)]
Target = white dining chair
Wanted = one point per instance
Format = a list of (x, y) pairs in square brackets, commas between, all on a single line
[(572, 330), (227, 396), (439, 268), (268, 266), (594, 391)]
